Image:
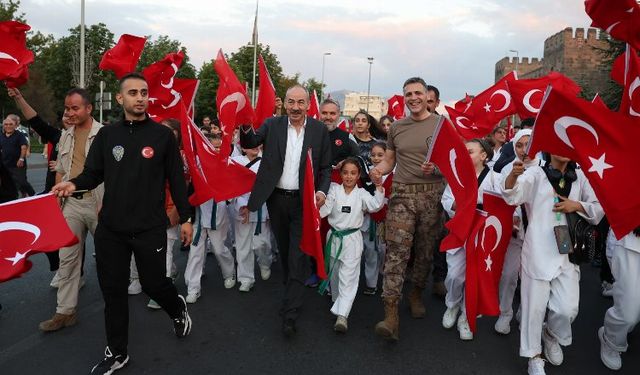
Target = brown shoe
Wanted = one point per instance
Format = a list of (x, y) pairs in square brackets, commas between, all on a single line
[(389, 327), (57, 322), (439, 290), (418, 311)]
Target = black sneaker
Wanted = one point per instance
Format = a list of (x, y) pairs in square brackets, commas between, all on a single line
[(369, 291), (110, 363), (182, 324)]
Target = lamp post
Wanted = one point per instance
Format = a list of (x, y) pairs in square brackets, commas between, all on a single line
[(324, 55), (370, 60), (517, 58), (81, 77)]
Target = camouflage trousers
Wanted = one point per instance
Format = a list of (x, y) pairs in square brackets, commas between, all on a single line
[(414, 216)]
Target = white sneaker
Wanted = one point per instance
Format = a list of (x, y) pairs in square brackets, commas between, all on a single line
[(229, 282), (192, 297), (450, 316), (265, 273), (503, 325), (55, 282), (135, 287), (245, 287), (463, 328), (536, 366), (341, 324), (607, 289), (610, 357), (552, 350), (153, 305)]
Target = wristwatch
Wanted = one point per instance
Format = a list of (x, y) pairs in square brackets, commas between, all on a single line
[(21, 159)]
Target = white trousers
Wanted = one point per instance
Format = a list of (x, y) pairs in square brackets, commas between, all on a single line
[(509, 277), (250, 246), (560, 296), (454, 282), (346, 273), (373, 259), (195, 263), (623, 316)]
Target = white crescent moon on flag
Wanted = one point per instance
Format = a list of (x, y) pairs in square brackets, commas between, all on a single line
[(169, 84), (175, 101), (608, 30), (395, 104), (452, 161), (507, 99), (526, 101), (460, 124), (632, 88), (234, 97), (565, 122), (6, 56), (19, 225), (492, 221)]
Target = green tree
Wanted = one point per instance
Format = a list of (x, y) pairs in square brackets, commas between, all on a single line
[(612, 95), (9, 11), (156, 50), (313, 84), (241, 62), (287, 81), (205, 101)]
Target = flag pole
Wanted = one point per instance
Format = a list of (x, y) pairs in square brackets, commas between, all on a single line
[(82, 57), (255, 56)]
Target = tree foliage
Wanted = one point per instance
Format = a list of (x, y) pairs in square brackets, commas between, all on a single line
[(9, 11), (156, 50)]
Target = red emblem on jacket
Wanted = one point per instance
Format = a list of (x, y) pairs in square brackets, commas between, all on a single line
[(147, 152), (338, 142)]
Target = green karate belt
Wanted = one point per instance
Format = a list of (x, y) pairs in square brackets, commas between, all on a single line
[(341, 234)]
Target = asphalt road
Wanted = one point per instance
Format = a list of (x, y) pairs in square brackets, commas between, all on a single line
[(236, 333)]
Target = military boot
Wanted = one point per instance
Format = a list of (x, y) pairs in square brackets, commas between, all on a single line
[(418, 311), (388, 328)]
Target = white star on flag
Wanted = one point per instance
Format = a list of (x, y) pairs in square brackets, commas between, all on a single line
[(18, 257), (599, 165), (489, 262), (487, 107)]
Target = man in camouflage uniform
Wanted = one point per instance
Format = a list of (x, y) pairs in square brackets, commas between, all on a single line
[(414, 214)]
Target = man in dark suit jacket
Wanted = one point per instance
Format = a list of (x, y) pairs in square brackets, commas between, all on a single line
[(285, 141)]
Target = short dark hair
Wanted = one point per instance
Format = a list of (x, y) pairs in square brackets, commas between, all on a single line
[(415, 80), (484, 145), (528, 122), (330, 101), (435, 91), (86, 97), (353, 161), (382, 145), (132, 75)]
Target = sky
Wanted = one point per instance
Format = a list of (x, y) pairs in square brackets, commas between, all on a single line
[(452, 44)]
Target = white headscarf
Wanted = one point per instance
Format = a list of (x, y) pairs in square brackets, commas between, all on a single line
[(521, 133)]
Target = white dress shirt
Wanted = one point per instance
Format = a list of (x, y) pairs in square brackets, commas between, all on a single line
[(291, 169)]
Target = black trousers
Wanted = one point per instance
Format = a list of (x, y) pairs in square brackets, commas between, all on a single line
[(113, 256), (285, 213), (20, 179)]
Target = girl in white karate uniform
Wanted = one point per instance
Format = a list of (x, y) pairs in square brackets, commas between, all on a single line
[(480, 153), (549, 281), (624, 315), (252, 231), (212, 223), (345, 207)]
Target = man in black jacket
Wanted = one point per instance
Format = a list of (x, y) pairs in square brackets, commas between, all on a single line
[(135, 158), (286, 140)]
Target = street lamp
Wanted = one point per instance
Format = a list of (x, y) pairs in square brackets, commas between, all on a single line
[(370, 59), (82, 57), (517, 58), (324, 55)]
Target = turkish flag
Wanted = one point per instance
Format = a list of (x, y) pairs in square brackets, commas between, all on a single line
[(598, 100), (465, 125), (27, 226), (14, 55), (464, 104), (619, 18), (186, 89), (310, 242), (396, 107), (160, 77), (603, 143), (379, 216), (449, 153), (528, 93), (123, 57), (214, 174), (266, 102), (626, 71), (314, 107), (493, 104), (345, 125), (232, 102), (485, 251)]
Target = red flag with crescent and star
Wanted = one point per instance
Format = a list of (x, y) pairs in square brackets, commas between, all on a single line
[(619, 18), (604, 143), (310, 242), (266, 103), (493, 104), (485, 250), (160, 77), (396, 107), (626, 71), (449, 153), (465, 124), (28, 226), (186, 89), (314, 106), (123, 57), (528, 93), (14, 55)]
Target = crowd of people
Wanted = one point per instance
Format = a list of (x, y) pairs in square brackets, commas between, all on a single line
[(383, 207)]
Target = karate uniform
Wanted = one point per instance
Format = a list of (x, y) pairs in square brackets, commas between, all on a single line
[(457, 258), (622, 317), (548, 279), (346, 211), (217, 236), (248, 239)]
